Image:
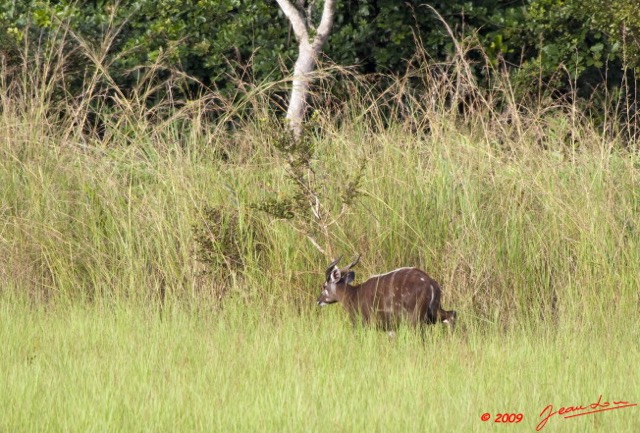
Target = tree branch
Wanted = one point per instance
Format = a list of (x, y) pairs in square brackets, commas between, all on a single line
[(308, 52), (325, 24), (295, 18)]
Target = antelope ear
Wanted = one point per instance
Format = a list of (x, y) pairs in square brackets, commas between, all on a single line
[(335, 275), (350, 277)]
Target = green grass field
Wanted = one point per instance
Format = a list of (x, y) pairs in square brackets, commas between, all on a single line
[(145, 287), (78, 369)]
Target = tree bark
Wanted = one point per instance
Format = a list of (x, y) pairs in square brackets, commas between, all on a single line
[(308, 52)]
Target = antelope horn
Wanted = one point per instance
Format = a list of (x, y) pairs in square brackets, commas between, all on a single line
[(330, 268), (355, 262)]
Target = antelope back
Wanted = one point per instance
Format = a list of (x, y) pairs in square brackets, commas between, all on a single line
[(405, 293)]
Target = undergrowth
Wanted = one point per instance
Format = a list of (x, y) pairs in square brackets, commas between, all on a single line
[(521, 209)]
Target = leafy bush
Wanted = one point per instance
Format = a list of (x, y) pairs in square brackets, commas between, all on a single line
[(222, 44)]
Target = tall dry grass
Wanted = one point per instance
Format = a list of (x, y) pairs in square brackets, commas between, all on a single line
[(519, 205)]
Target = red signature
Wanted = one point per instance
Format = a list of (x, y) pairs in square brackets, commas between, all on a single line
[(573, 411)]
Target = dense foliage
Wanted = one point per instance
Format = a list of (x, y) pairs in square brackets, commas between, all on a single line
[(222, 42)]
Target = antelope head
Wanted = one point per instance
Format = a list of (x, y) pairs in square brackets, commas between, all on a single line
[(336, 282)]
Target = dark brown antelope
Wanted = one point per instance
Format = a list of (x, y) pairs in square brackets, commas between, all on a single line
[(404, 294)]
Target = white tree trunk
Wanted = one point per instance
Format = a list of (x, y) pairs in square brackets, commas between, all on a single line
[(305, 64), (308, 52)]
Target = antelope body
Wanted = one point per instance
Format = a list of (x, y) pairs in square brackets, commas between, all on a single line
[(406, 294)]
